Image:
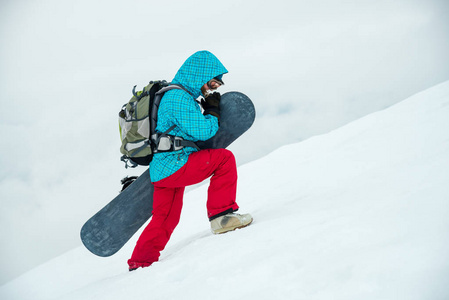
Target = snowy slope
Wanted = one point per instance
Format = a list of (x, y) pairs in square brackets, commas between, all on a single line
[(359, 213)]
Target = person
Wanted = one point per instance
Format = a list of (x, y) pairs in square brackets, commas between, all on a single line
[(170, 172)]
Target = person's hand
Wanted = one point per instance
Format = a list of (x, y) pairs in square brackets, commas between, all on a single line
[(211, 105)]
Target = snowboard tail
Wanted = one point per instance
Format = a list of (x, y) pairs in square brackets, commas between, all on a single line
[(109, 229)]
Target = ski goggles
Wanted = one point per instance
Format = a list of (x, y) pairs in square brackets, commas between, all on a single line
[(214, 83)]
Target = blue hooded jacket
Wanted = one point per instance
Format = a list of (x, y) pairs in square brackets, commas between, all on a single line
[(179, 108)]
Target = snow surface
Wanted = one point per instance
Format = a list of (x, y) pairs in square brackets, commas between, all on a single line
[(359, 213)]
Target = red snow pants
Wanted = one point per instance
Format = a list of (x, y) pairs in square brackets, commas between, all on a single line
[(168, 196)]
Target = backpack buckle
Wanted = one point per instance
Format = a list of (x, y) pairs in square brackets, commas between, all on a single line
[(170, 143), (177, 143), (128, 162)]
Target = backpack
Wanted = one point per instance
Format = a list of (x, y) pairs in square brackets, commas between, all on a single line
[(137, 124)]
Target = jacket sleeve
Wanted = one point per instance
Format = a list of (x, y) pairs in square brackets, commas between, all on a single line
[(190, 120)]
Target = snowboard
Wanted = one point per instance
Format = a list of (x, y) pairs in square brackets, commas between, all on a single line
[(109, 229)]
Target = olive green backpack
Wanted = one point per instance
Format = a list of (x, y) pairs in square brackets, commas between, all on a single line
[(137, 123)]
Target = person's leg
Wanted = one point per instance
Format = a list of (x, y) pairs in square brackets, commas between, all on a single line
[(168, 194), (223, 186), (167, 205), (218, 163)]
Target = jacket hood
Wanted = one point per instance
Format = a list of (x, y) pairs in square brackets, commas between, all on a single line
[(197, 70)]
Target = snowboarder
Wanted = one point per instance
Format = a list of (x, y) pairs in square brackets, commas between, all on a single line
[(172, 171)]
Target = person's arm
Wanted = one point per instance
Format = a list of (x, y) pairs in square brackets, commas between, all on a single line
[(189, 119)]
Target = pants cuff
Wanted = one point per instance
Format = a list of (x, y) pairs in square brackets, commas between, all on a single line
[(228, 211)]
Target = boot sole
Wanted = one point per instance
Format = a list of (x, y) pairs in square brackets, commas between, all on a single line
[(224, 230)]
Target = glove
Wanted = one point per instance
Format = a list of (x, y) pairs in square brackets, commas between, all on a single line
[(211, 105)]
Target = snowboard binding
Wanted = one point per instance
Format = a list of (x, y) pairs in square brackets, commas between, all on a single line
[(127, 181)]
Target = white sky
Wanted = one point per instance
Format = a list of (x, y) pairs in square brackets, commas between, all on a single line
[(67, 67)]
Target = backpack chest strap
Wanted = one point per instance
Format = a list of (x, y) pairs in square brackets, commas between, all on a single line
[(165, 142)]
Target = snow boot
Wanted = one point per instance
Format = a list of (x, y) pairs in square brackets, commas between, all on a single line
[(134, 266), (230, 222)]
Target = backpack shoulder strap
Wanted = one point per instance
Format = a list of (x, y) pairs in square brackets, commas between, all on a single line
[(156, 103), (171, 87)]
